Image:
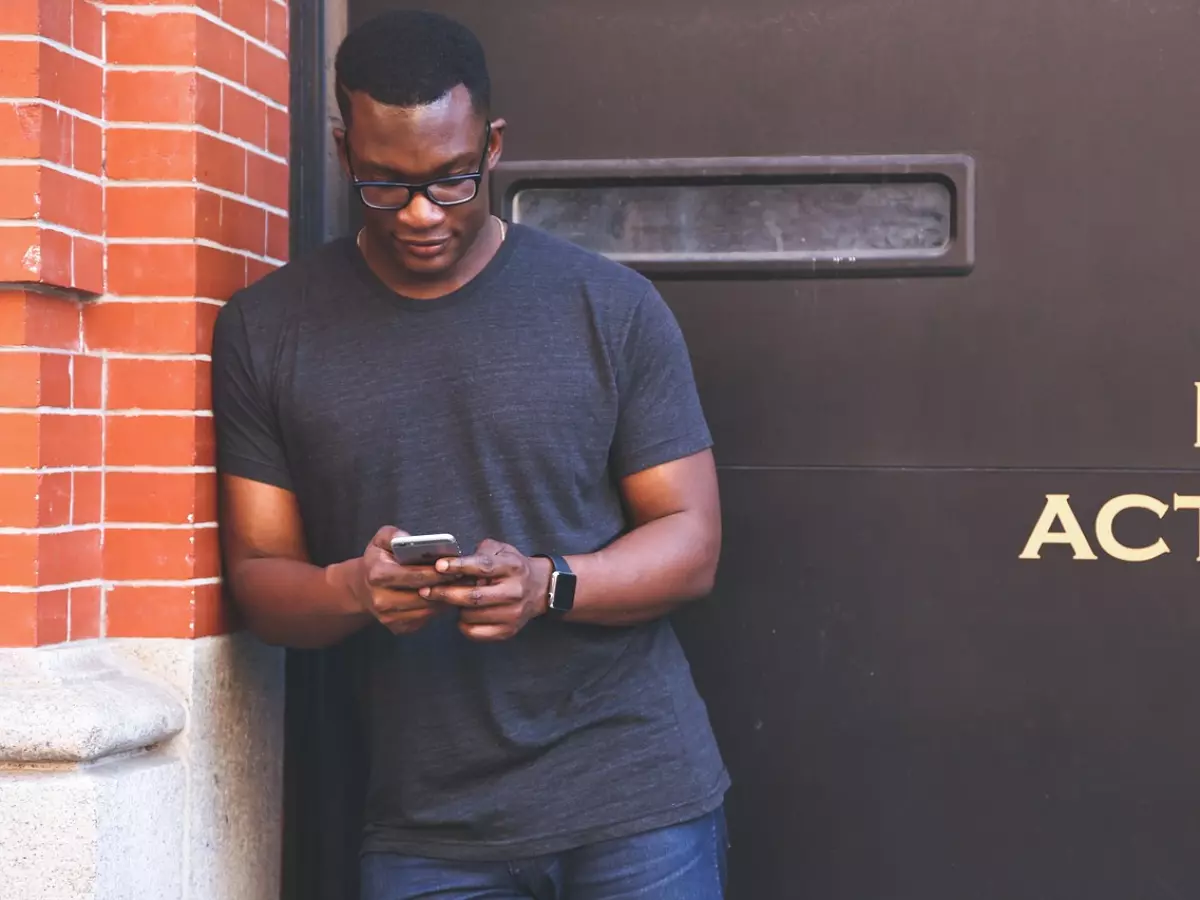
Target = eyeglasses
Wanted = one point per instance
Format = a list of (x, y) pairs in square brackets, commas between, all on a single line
[(395, 195)]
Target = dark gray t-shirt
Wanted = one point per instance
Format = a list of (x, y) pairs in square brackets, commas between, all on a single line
[(508, 409)]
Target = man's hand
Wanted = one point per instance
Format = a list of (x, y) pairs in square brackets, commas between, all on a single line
[(509, 589), (391, 592)]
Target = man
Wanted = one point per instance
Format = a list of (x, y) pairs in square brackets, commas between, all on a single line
[(445, 371)]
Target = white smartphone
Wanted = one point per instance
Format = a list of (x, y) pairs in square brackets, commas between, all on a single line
[(423, 549)]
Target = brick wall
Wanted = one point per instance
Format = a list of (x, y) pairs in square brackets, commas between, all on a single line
[(143, 179)]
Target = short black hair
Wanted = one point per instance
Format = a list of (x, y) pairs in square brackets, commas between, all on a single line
[(411, 58)]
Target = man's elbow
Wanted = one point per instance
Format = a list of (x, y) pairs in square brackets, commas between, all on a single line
[(704, 572)]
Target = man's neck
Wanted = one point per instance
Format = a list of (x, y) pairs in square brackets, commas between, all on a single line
[(485, 246)]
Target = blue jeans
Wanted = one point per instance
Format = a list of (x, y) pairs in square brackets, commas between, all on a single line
[(683, 862)]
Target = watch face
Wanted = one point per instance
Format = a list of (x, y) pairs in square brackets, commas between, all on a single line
[(562, 591)]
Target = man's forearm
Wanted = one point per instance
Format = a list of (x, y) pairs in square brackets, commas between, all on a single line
[(297, 604), (648, 572)]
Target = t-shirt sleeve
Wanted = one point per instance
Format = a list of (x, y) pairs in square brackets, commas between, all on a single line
[(660, 418), (248, 441)]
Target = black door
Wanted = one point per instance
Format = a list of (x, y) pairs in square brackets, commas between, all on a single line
[(933, 261)]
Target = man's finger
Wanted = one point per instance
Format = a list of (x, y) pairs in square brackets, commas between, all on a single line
[(486, 633), (386, 573), (472, 596), (489, 615), (479, 565), (383, 537)]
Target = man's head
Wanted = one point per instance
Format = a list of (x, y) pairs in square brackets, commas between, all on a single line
[(415, 99)]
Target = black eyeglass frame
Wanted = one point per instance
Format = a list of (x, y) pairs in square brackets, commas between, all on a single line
[(423, 187)]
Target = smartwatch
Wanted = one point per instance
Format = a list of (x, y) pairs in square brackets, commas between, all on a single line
[(562, 584)]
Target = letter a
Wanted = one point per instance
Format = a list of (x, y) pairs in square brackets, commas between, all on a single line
[(1058, 509)]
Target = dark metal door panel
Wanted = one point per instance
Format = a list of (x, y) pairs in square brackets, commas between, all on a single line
[(908, 714), (908, 709)]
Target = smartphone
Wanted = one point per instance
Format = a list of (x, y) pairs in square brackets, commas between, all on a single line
[(423, 549)]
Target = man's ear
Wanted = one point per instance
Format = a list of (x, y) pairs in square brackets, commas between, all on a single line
[(339, 140), (496, 146)]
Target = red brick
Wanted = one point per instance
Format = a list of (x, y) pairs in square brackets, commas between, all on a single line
[(277, 26), (249, 16), (35, 379), (20, 441), (87, 382), (73, 82), (230, 223), (151, 97), (18, 618), (156, 212), (52, 612), (267, 181), (279, 136), (183, 327), (151, 612), (20, 379), (19, 502), (20, 189), (220, 50), (152, 270), (256, 270), (89, 154), (88, 27), (68, 556), (19, 64), (72, 202), (243, 117), (149, 440), (267, 74), (220, 164), (55, 21), (160, 554), (166, 39), (170, 498), (20, 254), (89, 265), (54, 379), (87, 492), (213, 615), (36, 321), (209, 109), (57, 252), (157, 384), (54, 500), (18, 560), (20, 130), (85, 613), (58, 136), (71, 440), (19, 17), (219, 273), (150, 155), (277, 237)]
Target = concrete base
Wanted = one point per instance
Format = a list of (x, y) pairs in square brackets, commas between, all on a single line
[(106, 793)]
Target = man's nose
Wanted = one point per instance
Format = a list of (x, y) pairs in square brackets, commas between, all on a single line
[(422, 214)]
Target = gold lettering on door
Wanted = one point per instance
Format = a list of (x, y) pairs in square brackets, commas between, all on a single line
[(1058, 509), (1108, 541), (1183, 502), (1198, 413)]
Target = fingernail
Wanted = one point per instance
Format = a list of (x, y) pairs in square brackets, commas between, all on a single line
[(443, 566), (424, 592)]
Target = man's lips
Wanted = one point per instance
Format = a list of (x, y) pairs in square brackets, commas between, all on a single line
[(424, 247)]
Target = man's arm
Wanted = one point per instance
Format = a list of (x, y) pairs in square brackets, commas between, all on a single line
[(287, 600), (667, 558)]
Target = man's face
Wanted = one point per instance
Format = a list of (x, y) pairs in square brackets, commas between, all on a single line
[(416, 145)]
